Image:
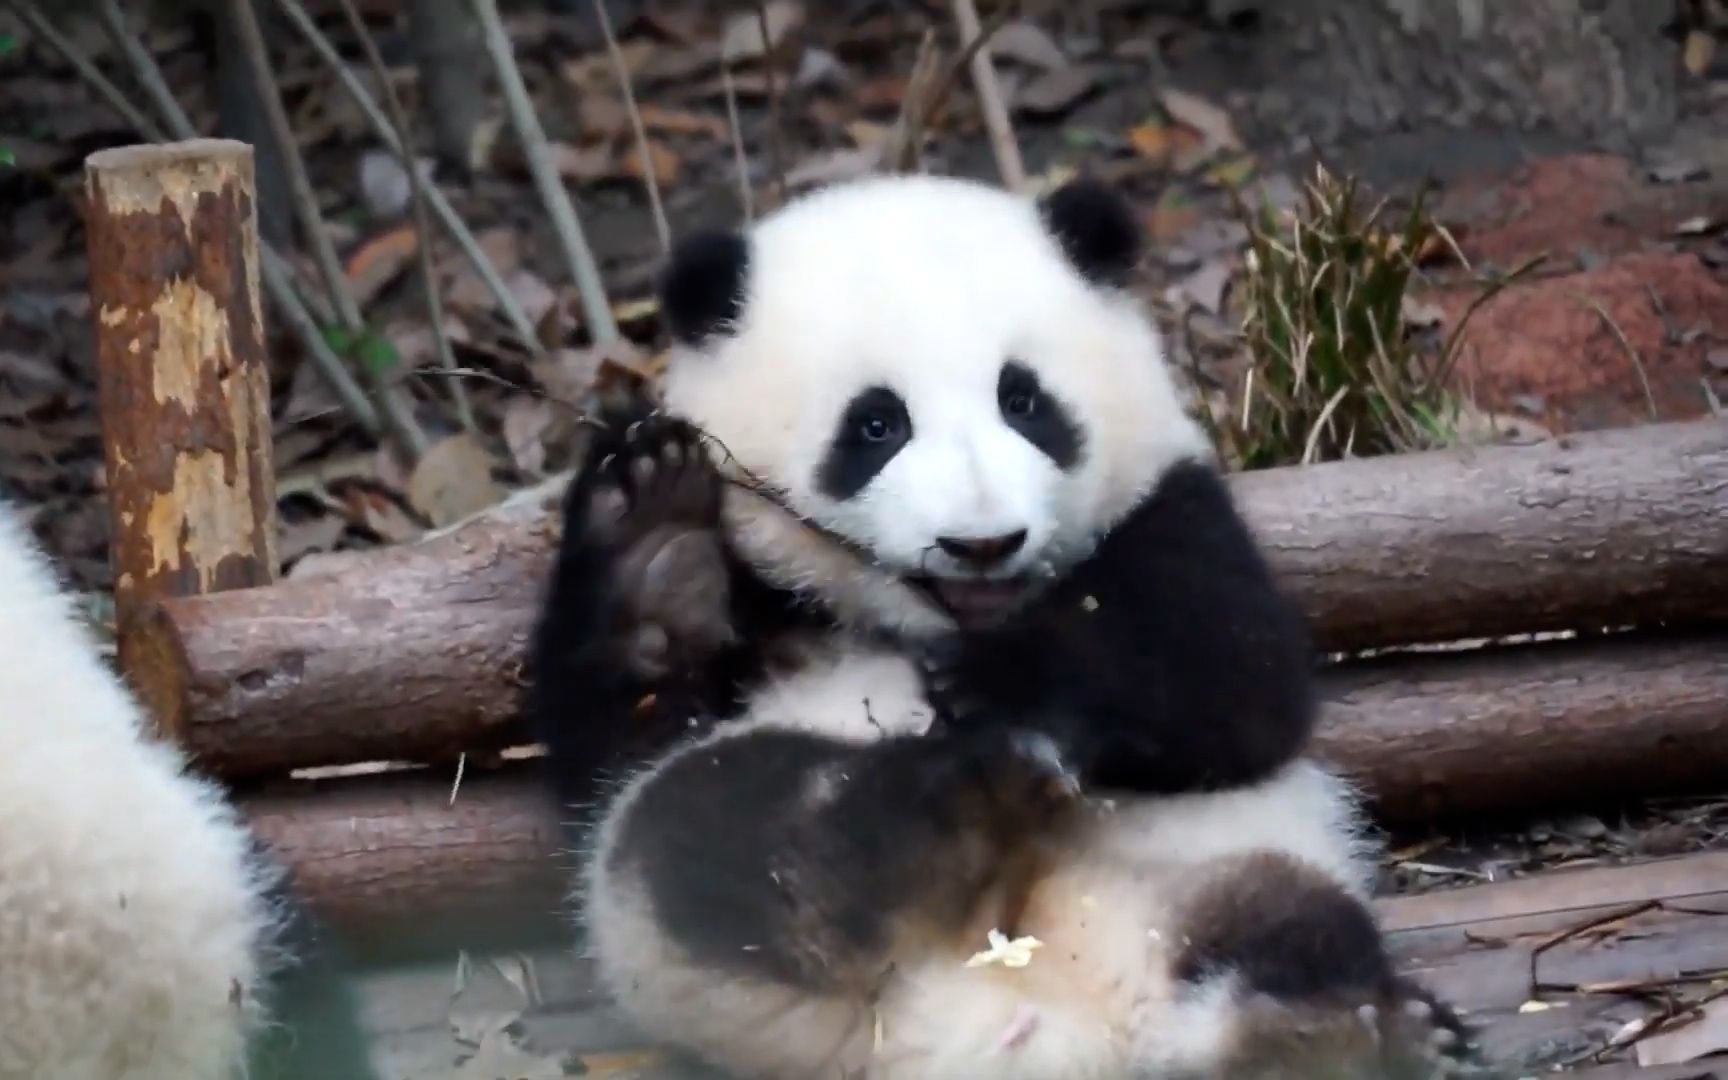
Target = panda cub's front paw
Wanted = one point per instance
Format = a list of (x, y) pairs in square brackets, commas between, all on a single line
[(648, 471), (653, 503)]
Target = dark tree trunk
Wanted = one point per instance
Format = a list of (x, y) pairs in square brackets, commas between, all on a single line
[(452, 66), (1591, 69), (240, 115)]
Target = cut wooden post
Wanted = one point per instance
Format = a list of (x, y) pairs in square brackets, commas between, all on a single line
[(182, 382)]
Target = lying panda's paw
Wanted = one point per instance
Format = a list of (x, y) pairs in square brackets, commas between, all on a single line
[(1435, 1042), (1012, 782)]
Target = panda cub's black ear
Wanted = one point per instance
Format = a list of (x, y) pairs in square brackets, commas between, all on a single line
[(1096, 228), (702, 288)]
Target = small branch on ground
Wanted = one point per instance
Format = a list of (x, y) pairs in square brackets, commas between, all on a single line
[(990, 103), (422, 220), (746, 201), (904, 150), (776, 142), (584, 270), (661, 228)]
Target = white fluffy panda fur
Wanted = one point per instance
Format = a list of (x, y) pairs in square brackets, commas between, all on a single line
[(141, 928), (984, 647)]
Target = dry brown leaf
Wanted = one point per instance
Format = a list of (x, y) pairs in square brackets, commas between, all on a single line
[(527, 420), (666, 163), (1205, 286), (835, 165), (501, 1057), (377, 512), (602, 116), (594, 72), (682, 122), (742, 39), (1057, 91), (316, 534), (1211, 121), (1151, 140), (583, 164), (380, 260), (1028, 44), (1700, 51), (453, 480), (867, 133)]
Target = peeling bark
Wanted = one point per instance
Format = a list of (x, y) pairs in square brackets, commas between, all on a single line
[(182, 383)]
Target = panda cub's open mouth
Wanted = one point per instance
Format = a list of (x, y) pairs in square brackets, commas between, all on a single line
[(975, 601)]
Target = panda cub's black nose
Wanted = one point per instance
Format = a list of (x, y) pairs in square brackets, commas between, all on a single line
[(982, 552)]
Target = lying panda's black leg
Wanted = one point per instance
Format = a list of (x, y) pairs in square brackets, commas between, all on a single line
[(804, 859), (1166, 661), (638, 594), (1287, 935)]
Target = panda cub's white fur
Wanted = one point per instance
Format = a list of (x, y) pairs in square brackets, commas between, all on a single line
[(927, 391), (131, 911)]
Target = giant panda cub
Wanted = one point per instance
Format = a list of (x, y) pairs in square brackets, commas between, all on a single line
[(974, 649), (144, 934)]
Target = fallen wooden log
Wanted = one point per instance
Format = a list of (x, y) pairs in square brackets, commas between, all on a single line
[(369, 851), (413, 651), (1551, 725), (1441, 734)]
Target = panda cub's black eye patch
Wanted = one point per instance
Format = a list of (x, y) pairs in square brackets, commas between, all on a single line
[(1038, 418), (873, 428)]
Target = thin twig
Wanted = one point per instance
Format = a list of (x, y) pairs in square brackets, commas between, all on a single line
[(453, 223), (422, 220), (144, 69), (583, 269), (996, 122), (396, 413), (903, 151), (776, 147), (1631, 352), (117, 100), (746, 201), (957, 68), (278, 283), (649, 180)]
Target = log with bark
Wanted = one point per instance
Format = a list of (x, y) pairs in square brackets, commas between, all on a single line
[(413, 652), (1553, 725), (181, 376)]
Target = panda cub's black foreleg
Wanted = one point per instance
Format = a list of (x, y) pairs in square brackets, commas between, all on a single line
[(810, 860), (639, 595), (1166, 661)]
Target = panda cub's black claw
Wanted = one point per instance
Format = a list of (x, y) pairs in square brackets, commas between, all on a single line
[(648, 470)]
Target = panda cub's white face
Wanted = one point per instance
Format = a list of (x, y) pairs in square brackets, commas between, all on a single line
[(917, 366)]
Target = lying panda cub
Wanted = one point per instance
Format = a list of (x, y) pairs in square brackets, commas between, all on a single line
[(925, 535), (144, 933)]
